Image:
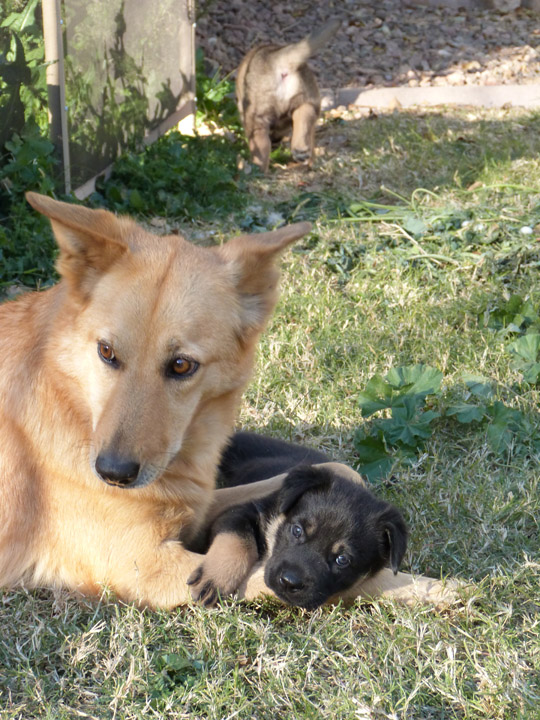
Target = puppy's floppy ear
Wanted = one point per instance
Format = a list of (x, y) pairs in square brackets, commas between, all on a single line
[(302, 479), (89, 240), (391, 525), (252, 259)]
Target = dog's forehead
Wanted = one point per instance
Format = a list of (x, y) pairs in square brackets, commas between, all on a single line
[(172, 288), (334, 511)]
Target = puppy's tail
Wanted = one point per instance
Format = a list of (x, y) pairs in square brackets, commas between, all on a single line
[(295, 55)]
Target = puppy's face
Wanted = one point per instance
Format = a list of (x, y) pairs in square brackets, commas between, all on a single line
[(330, 533)]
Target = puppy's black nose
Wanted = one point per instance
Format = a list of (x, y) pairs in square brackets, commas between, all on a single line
[(116, 470), (290, 581)]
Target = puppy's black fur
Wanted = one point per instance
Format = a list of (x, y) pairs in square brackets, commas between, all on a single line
[(250, 457), (319, 534)]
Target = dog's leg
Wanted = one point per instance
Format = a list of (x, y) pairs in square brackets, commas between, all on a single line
[(303, 136), (156, 576), (155, 573), (260, 147), (404, 587), (231, 555), (226, 497)]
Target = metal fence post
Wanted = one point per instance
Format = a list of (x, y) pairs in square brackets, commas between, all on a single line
[(54, 57)]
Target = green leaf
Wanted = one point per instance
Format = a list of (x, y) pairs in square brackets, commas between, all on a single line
[(420, 380), (376, 396), (408, 383), (18, 21), (505, 422), (531, 373), (374, 460), (414, 226), (408, 426), (478, 385), (466, 413), (526, 347), (135, 200)]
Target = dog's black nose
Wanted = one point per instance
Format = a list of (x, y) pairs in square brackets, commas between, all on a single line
[(290, 581), (116, 470)]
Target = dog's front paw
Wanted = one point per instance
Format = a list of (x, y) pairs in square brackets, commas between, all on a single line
[(205, 589)]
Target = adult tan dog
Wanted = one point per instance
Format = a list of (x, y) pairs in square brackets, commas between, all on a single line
[(276, 92), (118, 389)]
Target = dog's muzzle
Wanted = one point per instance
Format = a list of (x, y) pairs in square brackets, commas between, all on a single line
[(118, 471)]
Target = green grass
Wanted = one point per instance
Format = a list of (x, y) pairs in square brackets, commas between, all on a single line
[(370, 289)]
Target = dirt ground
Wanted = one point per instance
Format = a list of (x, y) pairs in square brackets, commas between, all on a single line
[(385, 43)]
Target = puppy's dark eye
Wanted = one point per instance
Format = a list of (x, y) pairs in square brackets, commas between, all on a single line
[(182, 367), (297, 530), (342, 561), (106, 353)]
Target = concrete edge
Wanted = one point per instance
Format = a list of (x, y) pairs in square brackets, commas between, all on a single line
[(493, 96)]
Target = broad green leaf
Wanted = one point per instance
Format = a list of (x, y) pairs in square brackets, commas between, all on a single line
[(376, 396), (419, 380), (414, 225), (478, 385), (526, 347), (504, 423), (374, 460), (531, 372), (408, 429), (466, 413), (135, 200), (18, 21)]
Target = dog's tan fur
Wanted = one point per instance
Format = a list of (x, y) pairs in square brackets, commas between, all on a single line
[(61, 405), (276, 92)]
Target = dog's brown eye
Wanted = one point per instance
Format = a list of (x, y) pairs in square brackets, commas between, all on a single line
[(182, 367), (296, 530), (342, 561), (106, 353)]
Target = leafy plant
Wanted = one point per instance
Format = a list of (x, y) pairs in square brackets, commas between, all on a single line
[(23, 88), (27, 248), (177, 176), (26, 155), (526, 350), (401, 435), (174, 669), (403, 391), (514, 315), (215, 97)]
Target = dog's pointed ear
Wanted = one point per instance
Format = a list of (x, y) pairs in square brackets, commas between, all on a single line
[(252, 259), (90, 241), (302, 479), (391, 525)]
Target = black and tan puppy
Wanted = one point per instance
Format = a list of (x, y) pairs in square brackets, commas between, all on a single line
[(277, 92), (319, 534)]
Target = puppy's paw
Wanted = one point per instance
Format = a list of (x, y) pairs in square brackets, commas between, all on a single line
[(206, 589), (301, 155)]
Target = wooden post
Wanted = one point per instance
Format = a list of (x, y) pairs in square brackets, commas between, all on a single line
[(54, 57)]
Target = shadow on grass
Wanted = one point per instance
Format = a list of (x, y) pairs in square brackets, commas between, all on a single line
[(387, 157)]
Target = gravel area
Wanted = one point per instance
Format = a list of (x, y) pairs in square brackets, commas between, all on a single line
[(382, 44)]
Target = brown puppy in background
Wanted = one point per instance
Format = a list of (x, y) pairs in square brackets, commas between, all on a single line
[(276, 92)]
